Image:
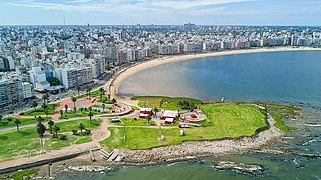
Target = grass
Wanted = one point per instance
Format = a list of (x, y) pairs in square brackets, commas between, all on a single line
[(70, 125), (163, 102), (84, 113), (56, 143), (25, 174), (40, 111), (105, 100), (26, 143), (279, 113), (92, 94), (132, 122), (224, 121), (84, 140), (9, 122)]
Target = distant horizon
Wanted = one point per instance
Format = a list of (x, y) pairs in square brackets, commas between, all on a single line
[(250, 25), (162, 12)]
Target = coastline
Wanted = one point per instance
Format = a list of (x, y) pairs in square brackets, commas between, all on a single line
[(170, 59), (192, 150)]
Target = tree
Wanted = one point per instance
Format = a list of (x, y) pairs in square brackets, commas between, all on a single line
[(90, 116), (66, 107), (50, 124), (56, 129), (17, 122), (148, 119), (45, 108), (108, 96), (40, 119), (78, 89), (41, 129), (45, 98), (34, 104), (61, 112), (103, 105), (102, 91), (114, 101), (155, 111), (81, 127), (1, 118), (88, 89), (54, 81), (73, 99)]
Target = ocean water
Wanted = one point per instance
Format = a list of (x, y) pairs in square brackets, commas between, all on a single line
[(291, 77)]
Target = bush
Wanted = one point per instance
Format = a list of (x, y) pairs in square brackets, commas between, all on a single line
[(74, 132), (63, 137), (87, 131), (54, 136)]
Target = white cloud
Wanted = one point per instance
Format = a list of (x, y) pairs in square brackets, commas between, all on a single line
[(187, 4)]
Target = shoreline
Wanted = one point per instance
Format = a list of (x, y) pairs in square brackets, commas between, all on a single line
[(194, 149), (177, 58)]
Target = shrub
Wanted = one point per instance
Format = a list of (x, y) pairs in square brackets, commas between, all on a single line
[(63, 137), (74, 131)]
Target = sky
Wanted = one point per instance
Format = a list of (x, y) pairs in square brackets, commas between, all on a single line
[(163, 12)]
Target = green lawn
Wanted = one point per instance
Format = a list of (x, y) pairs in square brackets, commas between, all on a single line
[(105, 100), (84, 140), (56, 143), (224, 121), (162, 102), (9, 122), (40, 111), (70, 125), (84, 113), (92, 94), (279, 113), (132, 122), (15, 144), (24, 174)]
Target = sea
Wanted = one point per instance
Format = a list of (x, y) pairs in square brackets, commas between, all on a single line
[(292, 77)]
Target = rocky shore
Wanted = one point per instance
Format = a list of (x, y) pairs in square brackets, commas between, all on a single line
[(189, 150)]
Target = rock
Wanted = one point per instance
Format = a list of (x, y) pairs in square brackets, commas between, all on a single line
[(244, 168)]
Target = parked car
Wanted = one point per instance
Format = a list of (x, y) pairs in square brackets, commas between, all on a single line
[(115, 120), (183, 126)]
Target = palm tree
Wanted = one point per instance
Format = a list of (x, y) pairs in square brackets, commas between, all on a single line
[(78, 89), (148, 119), (50, 124), (17, 122), (155, 111), (90, 115), (66, 107), (41, 129), (45, 108), (103, 105), (73, 99), (34, 104), (45, 98), (88, 89), (81, 127), (102, 91), (56, 129), (40, 119)]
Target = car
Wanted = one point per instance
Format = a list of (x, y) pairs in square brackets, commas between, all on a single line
[(115, 120), (183, 126)]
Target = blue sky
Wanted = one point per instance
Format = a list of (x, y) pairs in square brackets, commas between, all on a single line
[(204, 12)]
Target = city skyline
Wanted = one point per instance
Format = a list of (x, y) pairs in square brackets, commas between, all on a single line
[(163, 12)]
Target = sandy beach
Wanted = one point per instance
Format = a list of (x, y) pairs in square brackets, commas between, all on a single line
[(169, 59)]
